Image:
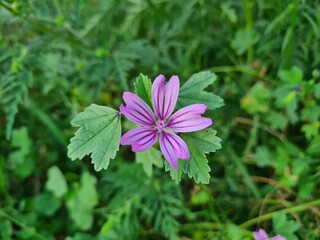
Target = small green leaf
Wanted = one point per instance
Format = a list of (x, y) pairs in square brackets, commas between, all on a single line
[(262, 157), (284, 227), (143, 87), (22, 163), (20, 139), (148, 159), (243, 40), (277, 120), (46, 203), (199, 143), (56, 182), (82, 202), (257, 99), (99, 134), (193, 91), (292, 76)]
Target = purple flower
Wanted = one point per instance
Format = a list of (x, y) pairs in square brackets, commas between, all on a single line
[(262, 235), (164, 99)]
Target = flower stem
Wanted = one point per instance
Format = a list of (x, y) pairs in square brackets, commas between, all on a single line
[(268, 216)]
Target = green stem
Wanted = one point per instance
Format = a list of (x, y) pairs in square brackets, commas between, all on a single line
[(242, 69), (253, 136), (23, 226), (248, 5), (268, 216)]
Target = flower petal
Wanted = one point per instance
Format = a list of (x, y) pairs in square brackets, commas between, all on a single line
[(189, 119), (164, 97), (260, 235), (173, 147), (141, 139), (137, 110), (278, 237)]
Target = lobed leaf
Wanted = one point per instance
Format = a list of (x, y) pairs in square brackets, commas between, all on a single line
[(193, 91), (149, 158), (99, 134), (199, 144)]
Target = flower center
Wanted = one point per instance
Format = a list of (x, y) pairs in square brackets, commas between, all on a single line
[(161, 125)]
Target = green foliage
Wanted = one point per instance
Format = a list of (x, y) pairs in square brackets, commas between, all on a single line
[(46, 203), (199, 144), (193, 91), (82, 201), (20, 159), (56, 182), (99, 134), (143, 88), (243, 40), (257, 99), (57, 57), (12, 88), (284, 227), (148, 159)]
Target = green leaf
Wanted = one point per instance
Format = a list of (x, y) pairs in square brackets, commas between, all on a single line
[(99, 134), (206, 140), (262, 157), (148, 159), (12, 89), (56, 182), (257, 99), (243, 40), (143, 87), (6, 229), (175, 174), (292, 76), (82, 202), (201, 142), (277, 120), (193, 91), (46, 203), (314, 146), (284, 227), (22, 163)]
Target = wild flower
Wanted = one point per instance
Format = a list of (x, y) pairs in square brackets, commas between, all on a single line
[(160, 122), (262, 235)]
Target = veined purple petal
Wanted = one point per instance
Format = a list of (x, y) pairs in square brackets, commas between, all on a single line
[(136, 110), (141, 139), (164, 97), (189, 119), (173, 147), (260, 235)]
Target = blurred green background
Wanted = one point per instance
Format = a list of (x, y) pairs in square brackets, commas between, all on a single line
[(57, 57)]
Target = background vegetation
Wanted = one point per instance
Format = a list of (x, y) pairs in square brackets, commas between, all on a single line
[(57, 57)]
